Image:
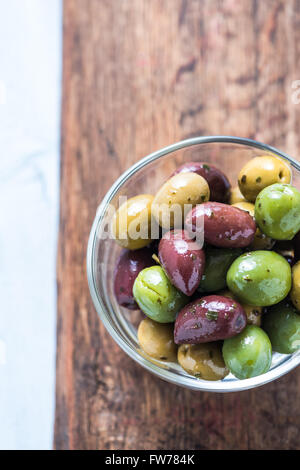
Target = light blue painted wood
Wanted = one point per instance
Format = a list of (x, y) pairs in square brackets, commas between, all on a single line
[(30, 81)]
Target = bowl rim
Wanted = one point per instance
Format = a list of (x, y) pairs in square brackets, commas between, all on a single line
[(185, 381)]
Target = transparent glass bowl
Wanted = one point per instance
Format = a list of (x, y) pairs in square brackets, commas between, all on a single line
[(146, 176)]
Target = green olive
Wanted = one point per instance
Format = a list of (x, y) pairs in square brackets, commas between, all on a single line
[(183, 189), (156, 296), (236, 196), (204, 361), (253, 313), (295, 292), (277, 211), (261, 172), (157, 340), (131, 224), (217, 263), (260, 278), (282, 324), (249, 353), (261, 241)]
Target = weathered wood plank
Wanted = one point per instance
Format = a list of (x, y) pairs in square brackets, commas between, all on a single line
[(138, 75)]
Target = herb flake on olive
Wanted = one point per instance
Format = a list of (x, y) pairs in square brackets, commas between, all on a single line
[(282, 324)]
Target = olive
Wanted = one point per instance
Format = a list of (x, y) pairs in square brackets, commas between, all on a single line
[(236, 196), (131, 224), (156, 296), (204, 361), (249, 353), (179, 193), (261, 172), (207, 319), (218, 183), (253, 313), (245, 206), (224, 226), (277, 211), (260, 278), (182, 260), (218, 261), (156, 339), (282, 324), (129, 264), (261, 241), (295, 292)]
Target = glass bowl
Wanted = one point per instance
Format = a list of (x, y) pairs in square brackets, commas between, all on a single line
[(146, 176)]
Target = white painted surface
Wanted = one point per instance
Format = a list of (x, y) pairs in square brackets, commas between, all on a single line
[(30, 80)]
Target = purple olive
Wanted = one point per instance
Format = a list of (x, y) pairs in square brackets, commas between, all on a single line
[(218, 183), (182, 260), (128, 267), (210, 318), (224, 226)]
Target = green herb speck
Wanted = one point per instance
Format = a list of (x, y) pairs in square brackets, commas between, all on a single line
[(211, 315)]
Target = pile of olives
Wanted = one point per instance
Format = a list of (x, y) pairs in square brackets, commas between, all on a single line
[(226, 304)]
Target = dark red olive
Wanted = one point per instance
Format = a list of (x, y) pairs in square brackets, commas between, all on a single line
[(182, 260), (218, 183), (224, 226), (210, 318), (129, 265)]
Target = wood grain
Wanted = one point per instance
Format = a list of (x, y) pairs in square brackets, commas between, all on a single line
[(139, 75)]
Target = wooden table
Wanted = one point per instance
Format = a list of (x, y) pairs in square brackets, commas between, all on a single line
[(139, 75)]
